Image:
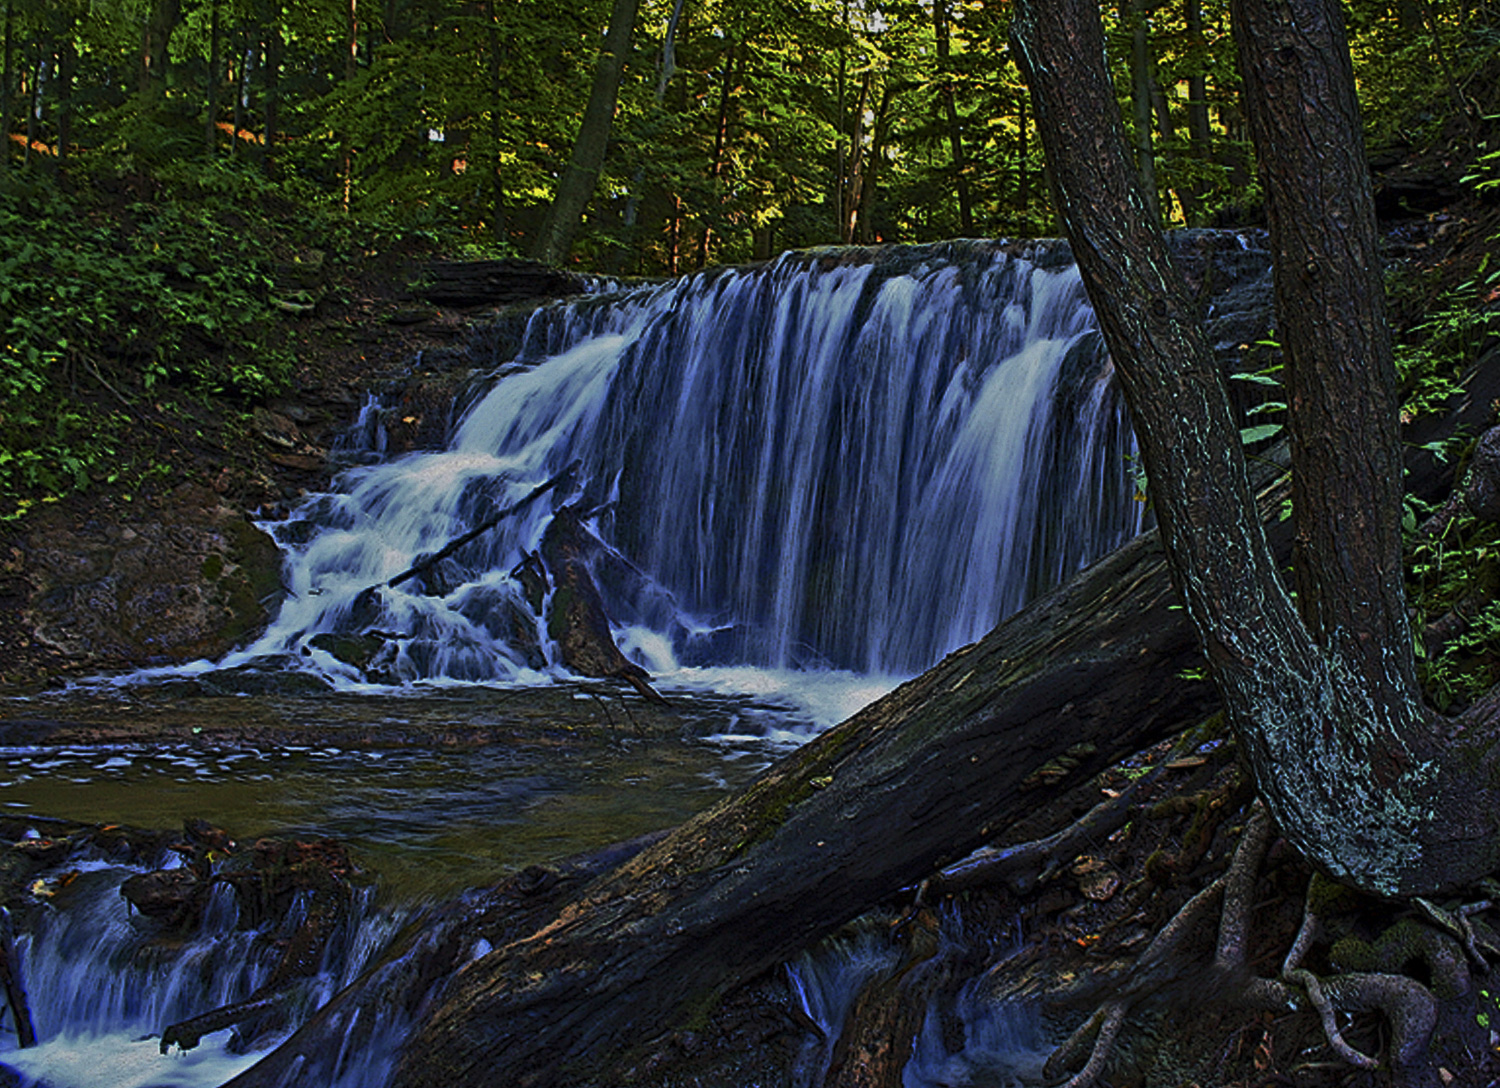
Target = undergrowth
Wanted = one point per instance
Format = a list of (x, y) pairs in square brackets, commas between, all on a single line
[(1453, 569), (126, 297)]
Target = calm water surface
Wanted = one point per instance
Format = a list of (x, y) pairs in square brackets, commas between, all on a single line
[(424, 805)]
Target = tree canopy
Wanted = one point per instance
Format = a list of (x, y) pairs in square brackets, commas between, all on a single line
[(775, 125)]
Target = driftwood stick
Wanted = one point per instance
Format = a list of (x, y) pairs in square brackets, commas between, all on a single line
[(426, 561)]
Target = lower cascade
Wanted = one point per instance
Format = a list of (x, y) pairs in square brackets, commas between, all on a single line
[(170, 971), (858, 460)]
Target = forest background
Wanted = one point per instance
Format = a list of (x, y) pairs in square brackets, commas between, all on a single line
[(185, 185)]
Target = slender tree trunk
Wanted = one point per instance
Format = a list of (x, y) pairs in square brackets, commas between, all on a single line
[(1133, 14), (163, 19), (721, 145), (1325, 707), (7, 81), (856, 181), (67, 59), (577, 185), (940, 26), (674, 238), (1200, 135), (666, 66), (244, 64), (351, 69), (865, 214), (499, 220), (211, 97), (1023, 152), (272, 109), (841, 87), (34, 104)]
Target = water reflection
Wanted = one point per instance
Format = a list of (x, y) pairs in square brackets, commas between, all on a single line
[(434, 792)]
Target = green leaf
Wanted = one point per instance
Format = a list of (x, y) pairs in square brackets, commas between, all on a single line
[(1251, 435), (1258, 378), (1268, 406)]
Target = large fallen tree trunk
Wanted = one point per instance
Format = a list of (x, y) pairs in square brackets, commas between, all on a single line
[(1084, 676), (918, 779)]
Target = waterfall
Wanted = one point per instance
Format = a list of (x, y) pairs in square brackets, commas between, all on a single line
[(857, 460), (102, 983)]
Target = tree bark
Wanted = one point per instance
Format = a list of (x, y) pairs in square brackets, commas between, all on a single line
[(212, 90), (164, 17), (577, 185), (272, 95), (67, 62), (1200, 134), (7, 80), (666, 66), (1330, 304), (34, 105), (721, 143), (1349, 769), (1134, 12)]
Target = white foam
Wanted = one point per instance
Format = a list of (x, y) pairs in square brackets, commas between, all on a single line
[(122, 1060)]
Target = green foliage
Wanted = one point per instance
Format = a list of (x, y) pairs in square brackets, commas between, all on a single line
[(1414, 64), (104, 303), (1453, 577), (1433, 358)]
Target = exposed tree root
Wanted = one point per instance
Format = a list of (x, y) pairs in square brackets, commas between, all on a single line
[(1409, 1007), (1022, 867)]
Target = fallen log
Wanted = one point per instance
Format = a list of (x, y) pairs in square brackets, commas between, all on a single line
[(877, 804), (494, 282), (1087, 674)]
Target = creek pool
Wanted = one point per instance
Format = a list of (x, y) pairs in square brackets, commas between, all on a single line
[(435, 790)]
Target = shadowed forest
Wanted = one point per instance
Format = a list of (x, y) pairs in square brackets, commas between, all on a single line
[(1213, 804)]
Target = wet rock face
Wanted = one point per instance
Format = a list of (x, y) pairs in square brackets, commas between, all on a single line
[(191, 580)]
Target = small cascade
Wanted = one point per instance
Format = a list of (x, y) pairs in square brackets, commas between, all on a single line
[(102, 982), (858, 460)]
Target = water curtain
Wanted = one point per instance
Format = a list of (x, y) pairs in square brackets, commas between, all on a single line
[(854, 459)]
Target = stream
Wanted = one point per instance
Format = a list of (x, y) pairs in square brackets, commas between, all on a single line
[(795, 485)]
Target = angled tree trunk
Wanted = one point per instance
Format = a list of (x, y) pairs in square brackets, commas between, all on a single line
[(577, 185), (1324, 702), (873, 806)]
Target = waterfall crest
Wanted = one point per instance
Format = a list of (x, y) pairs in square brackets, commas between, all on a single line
[(859, 460)]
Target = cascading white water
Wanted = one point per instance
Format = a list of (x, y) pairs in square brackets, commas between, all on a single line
[(102, 983), (852, 462)]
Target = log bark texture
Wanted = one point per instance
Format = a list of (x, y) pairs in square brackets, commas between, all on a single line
[(494, 283), (917, 779)]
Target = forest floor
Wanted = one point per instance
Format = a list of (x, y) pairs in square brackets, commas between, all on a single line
[(365, 330)]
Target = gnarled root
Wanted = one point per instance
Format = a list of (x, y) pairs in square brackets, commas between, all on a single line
[(1409, 1007)]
